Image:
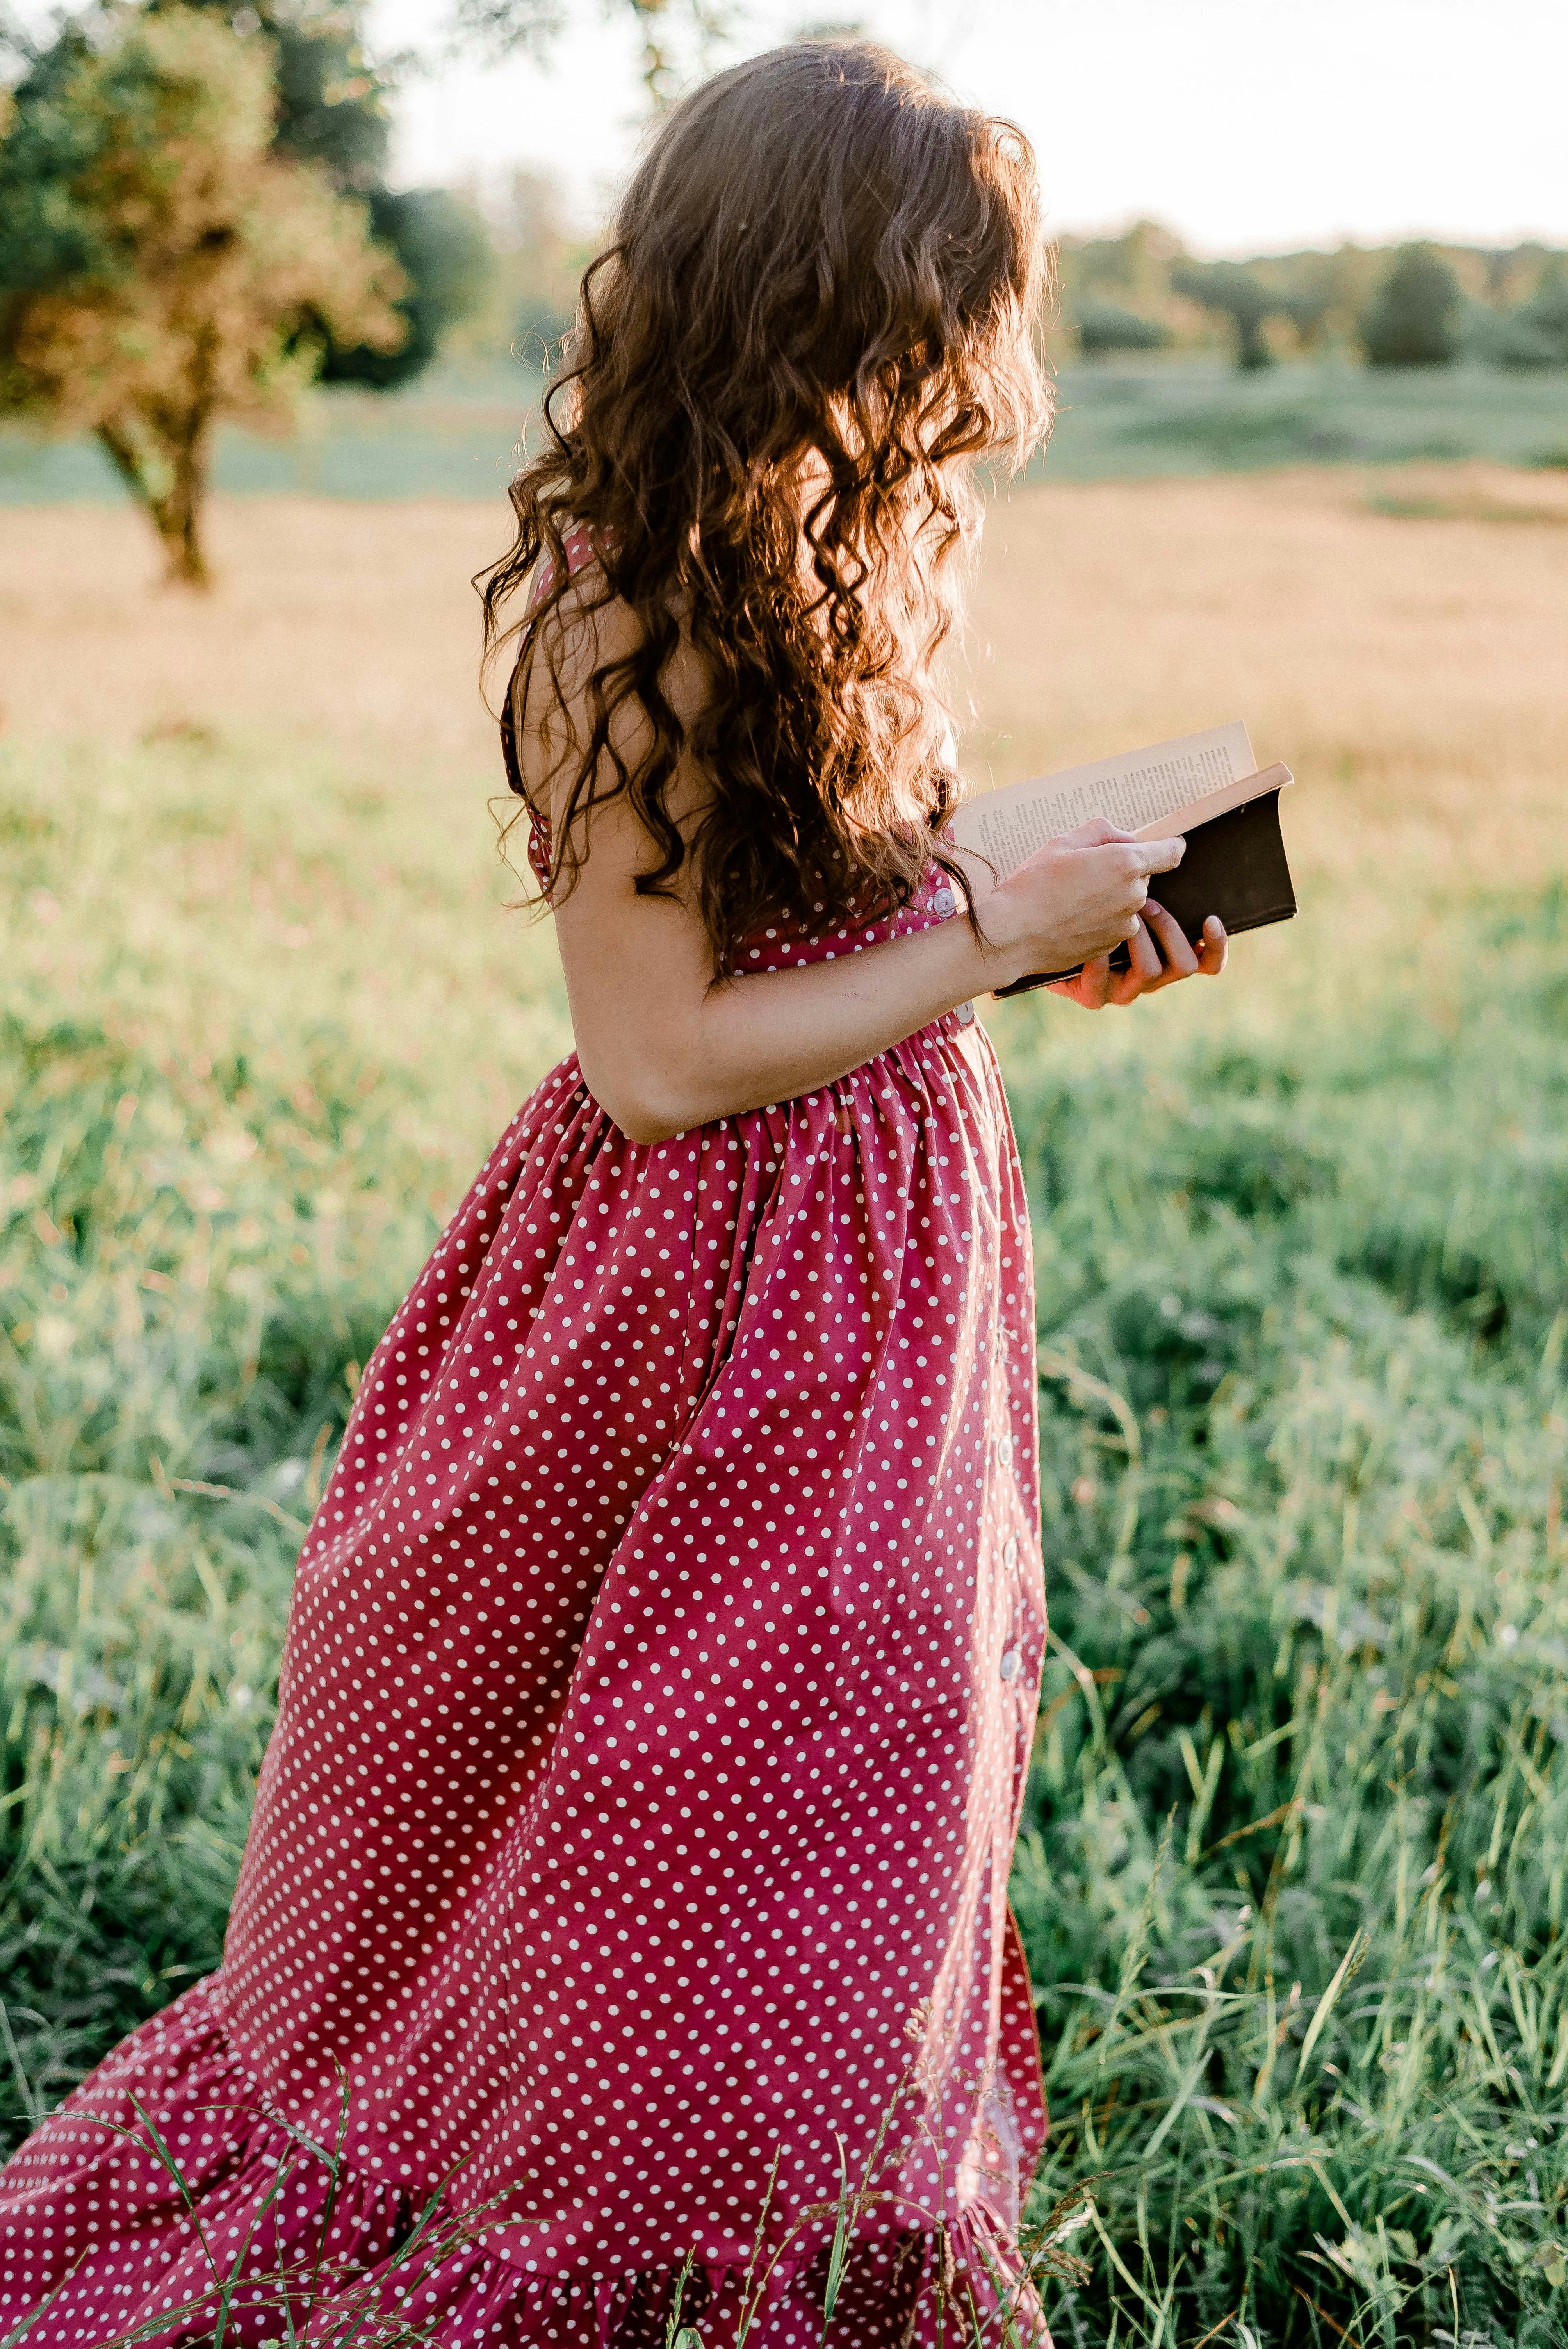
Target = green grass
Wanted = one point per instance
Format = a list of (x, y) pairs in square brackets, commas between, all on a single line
[(1304, 1312), (1293, 1870), (454, 433), (1127, 419), (218, 1170), (174, 1307)]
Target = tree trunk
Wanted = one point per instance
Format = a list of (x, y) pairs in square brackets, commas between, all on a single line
[(176, 513), (181, 525)]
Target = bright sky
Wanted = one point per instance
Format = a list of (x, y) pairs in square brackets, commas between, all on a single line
[(1248, 125)]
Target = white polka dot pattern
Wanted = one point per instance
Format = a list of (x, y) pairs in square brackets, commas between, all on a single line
[(656, 1709)]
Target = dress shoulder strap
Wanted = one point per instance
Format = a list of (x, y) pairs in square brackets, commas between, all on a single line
[(578, 545)]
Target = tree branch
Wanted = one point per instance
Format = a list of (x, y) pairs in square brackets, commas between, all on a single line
[(504, 27)]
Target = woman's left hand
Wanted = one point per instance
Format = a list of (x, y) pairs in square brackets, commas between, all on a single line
[(1151, 965)]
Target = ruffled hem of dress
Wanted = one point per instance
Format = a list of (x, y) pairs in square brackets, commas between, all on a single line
[(321, 2253), (888, 2300)]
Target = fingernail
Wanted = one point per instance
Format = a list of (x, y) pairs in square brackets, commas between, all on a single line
[(1150, 907)]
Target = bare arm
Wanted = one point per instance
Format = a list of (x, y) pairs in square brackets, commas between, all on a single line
[(664, 1046)]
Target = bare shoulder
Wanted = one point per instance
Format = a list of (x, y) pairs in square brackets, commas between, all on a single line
[(587, 629), (584, 634), (590, 630)]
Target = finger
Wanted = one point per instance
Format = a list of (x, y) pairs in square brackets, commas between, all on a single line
[(1137, 859), (1072, 988), (1093, 833), (1128, 988), (1094, 985), (1215, 950), (1144, 963), (1160, 856), (1180, 961)]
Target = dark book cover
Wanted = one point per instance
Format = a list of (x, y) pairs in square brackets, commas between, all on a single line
[(1235, 866)]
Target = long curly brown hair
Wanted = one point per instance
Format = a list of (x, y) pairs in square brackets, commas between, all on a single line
[(817, 314)]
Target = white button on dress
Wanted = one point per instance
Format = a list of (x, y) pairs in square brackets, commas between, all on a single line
[(1005, 1451), (1010, 1664), (1010, 1552), (943, 902), (965, 1014)]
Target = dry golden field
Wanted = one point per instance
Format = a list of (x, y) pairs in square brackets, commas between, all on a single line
[(1409, 664), (274, 806)]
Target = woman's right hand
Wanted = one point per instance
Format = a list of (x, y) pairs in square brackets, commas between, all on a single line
[(1079, 896), (666, 1043)]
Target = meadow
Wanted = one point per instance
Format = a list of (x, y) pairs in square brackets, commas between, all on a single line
[(452, 432), (1295, 1867)]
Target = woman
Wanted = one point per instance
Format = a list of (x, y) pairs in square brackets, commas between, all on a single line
[(662, 1665)]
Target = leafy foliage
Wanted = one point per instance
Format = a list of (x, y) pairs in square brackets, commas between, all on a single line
[(1107, 327), (1536, 334), (1504, 306), (669, 31), (332, 110), (445, 256), (1238, 294), (332, 98), (161, 267), (1415, 320)]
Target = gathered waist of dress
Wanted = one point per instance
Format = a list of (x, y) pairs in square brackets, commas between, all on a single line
[(945, 1062), (796, 940), (793, 945)]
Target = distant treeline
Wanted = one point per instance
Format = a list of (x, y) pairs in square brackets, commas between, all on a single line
[(1411, 305), (1419, 304)]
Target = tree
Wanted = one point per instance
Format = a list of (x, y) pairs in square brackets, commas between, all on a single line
[(1236, 293), (1416, 320), (664, 26), (332, 100), (332, 110), (1107, 327), (161, 267), (1131, 271), (1536, 334), (445, 256)]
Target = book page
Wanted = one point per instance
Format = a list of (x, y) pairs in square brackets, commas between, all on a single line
[(1219, 802), (1134, 790)]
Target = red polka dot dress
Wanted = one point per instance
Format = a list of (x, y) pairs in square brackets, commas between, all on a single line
[(656, 1708)]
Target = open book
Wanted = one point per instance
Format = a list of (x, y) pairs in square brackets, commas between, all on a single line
[(1207, 786)]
